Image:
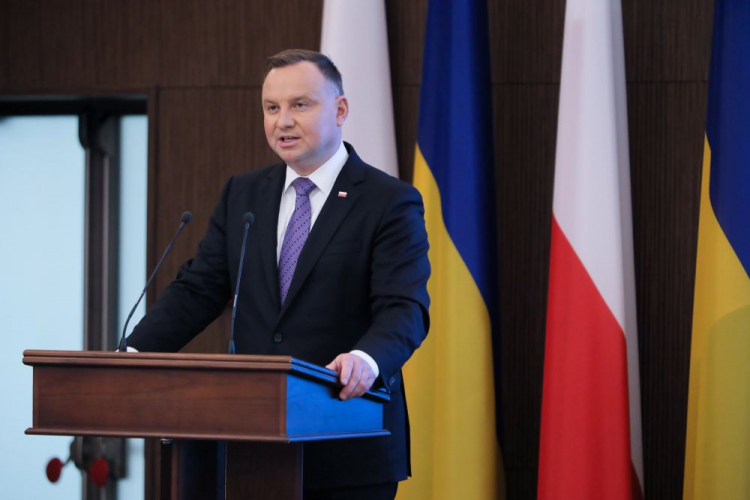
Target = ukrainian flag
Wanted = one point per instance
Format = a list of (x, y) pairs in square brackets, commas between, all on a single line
[(450, 380), (718, 435)]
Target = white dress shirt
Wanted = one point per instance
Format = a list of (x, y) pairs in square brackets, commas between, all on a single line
[(323, 177)]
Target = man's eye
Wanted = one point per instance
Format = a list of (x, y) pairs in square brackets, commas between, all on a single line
[(271, 108), (300, 105)]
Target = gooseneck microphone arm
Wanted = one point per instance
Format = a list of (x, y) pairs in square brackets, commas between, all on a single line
[(184, 221), (248, 219)]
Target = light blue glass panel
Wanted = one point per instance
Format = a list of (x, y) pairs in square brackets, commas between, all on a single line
[(42, 195), (132, 277)]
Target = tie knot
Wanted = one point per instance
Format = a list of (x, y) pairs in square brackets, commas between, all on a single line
[(303, 186)]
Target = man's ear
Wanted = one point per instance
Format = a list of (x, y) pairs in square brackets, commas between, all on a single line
[(342, 109)]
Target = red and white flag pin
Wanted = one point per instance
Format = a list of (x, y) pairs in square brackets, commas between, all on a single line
[(342, 194)]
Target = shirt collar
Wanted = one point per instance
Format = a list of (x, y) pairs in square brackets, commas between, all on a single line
[(325, 175)]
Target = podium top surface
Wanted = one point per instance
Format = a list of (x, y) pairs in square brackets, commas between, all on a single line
[(195, 396), (242, 362)]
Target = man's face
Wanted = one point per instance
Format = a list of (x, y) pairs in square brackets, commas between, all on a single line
[(302, 116)]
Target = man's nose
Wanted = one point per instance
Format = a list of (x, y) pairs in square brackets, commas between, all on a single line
[(286, 120)]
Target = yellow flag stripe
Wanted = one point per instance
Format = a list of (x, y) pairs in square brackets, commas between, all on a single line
[(449, 380), (718, 435)]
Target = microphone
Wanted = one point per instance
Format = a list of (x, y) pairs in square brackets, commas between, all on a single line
[(184, 221), (248, 219)]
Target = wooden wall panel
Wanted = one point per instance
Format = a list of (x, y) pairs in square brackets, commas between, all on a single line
[(123, 40), (46, 45), (405, 113), (69, 47), (5, 48), (226, 42), (205, 136), (668, 40), (525, 130), (667, 48), (526, 40), (140, 43), (666, 137), (406, 29)]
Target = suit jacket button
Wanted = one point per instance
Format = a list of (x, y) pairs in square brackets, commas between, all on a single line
[(277, 337), (392, 380)]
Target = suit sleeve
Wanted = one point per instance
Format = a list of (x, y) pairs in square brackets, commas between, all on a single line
[(195, 298), (398, 295)]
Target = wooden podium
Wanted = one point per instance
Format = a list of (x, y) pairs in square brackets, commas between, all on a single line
[(264, 407)]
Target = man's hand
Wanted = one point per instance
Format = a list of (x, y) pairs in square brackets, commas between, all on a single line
[(355, 374)]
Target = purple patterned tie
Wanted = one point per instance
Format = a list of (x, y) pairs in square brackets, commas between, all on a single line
[(296, 234)]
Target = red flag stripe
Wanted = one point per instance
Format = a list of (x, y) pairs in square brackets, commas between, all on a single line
[(585, 438)]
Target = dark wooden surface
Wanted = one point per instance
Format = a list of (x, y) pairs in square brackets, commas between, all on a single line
[(200, 65), (257, 471), (666, 130), (194, 396), (526, 118), (275, 472), (195, 470), (261, 471)]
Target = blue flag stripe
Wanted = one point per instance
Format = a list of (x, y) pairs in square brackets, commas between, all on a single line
[(728, 124), (455, 132)]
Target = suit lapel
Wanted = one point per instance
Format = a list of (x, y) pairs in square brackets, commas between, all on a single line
[(269, 200), (331, 216)]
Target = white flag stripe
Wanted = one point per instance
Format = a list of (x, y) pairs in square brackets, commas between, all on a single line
[(588, 161), (631, 321), (355, 37), (592, 200)]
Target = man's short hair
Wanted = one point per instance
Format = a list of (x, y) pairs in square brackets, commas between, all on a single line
[(289, 57)]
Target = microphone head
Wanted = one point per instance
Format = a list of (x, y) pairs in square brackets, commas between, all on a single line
[(248, 218), (54, 469), (186, 217), (99, 471)]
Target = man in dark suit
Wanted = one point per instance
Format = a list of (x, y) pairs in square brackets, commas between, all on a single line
[(335, 271)]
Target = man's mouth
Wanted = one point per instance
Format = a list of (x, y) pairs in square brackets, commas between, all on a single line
[(288, 139)]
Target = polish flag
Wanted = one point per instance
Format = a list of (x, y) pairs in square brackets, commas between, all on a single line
[(355, 37), (591, 422)]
